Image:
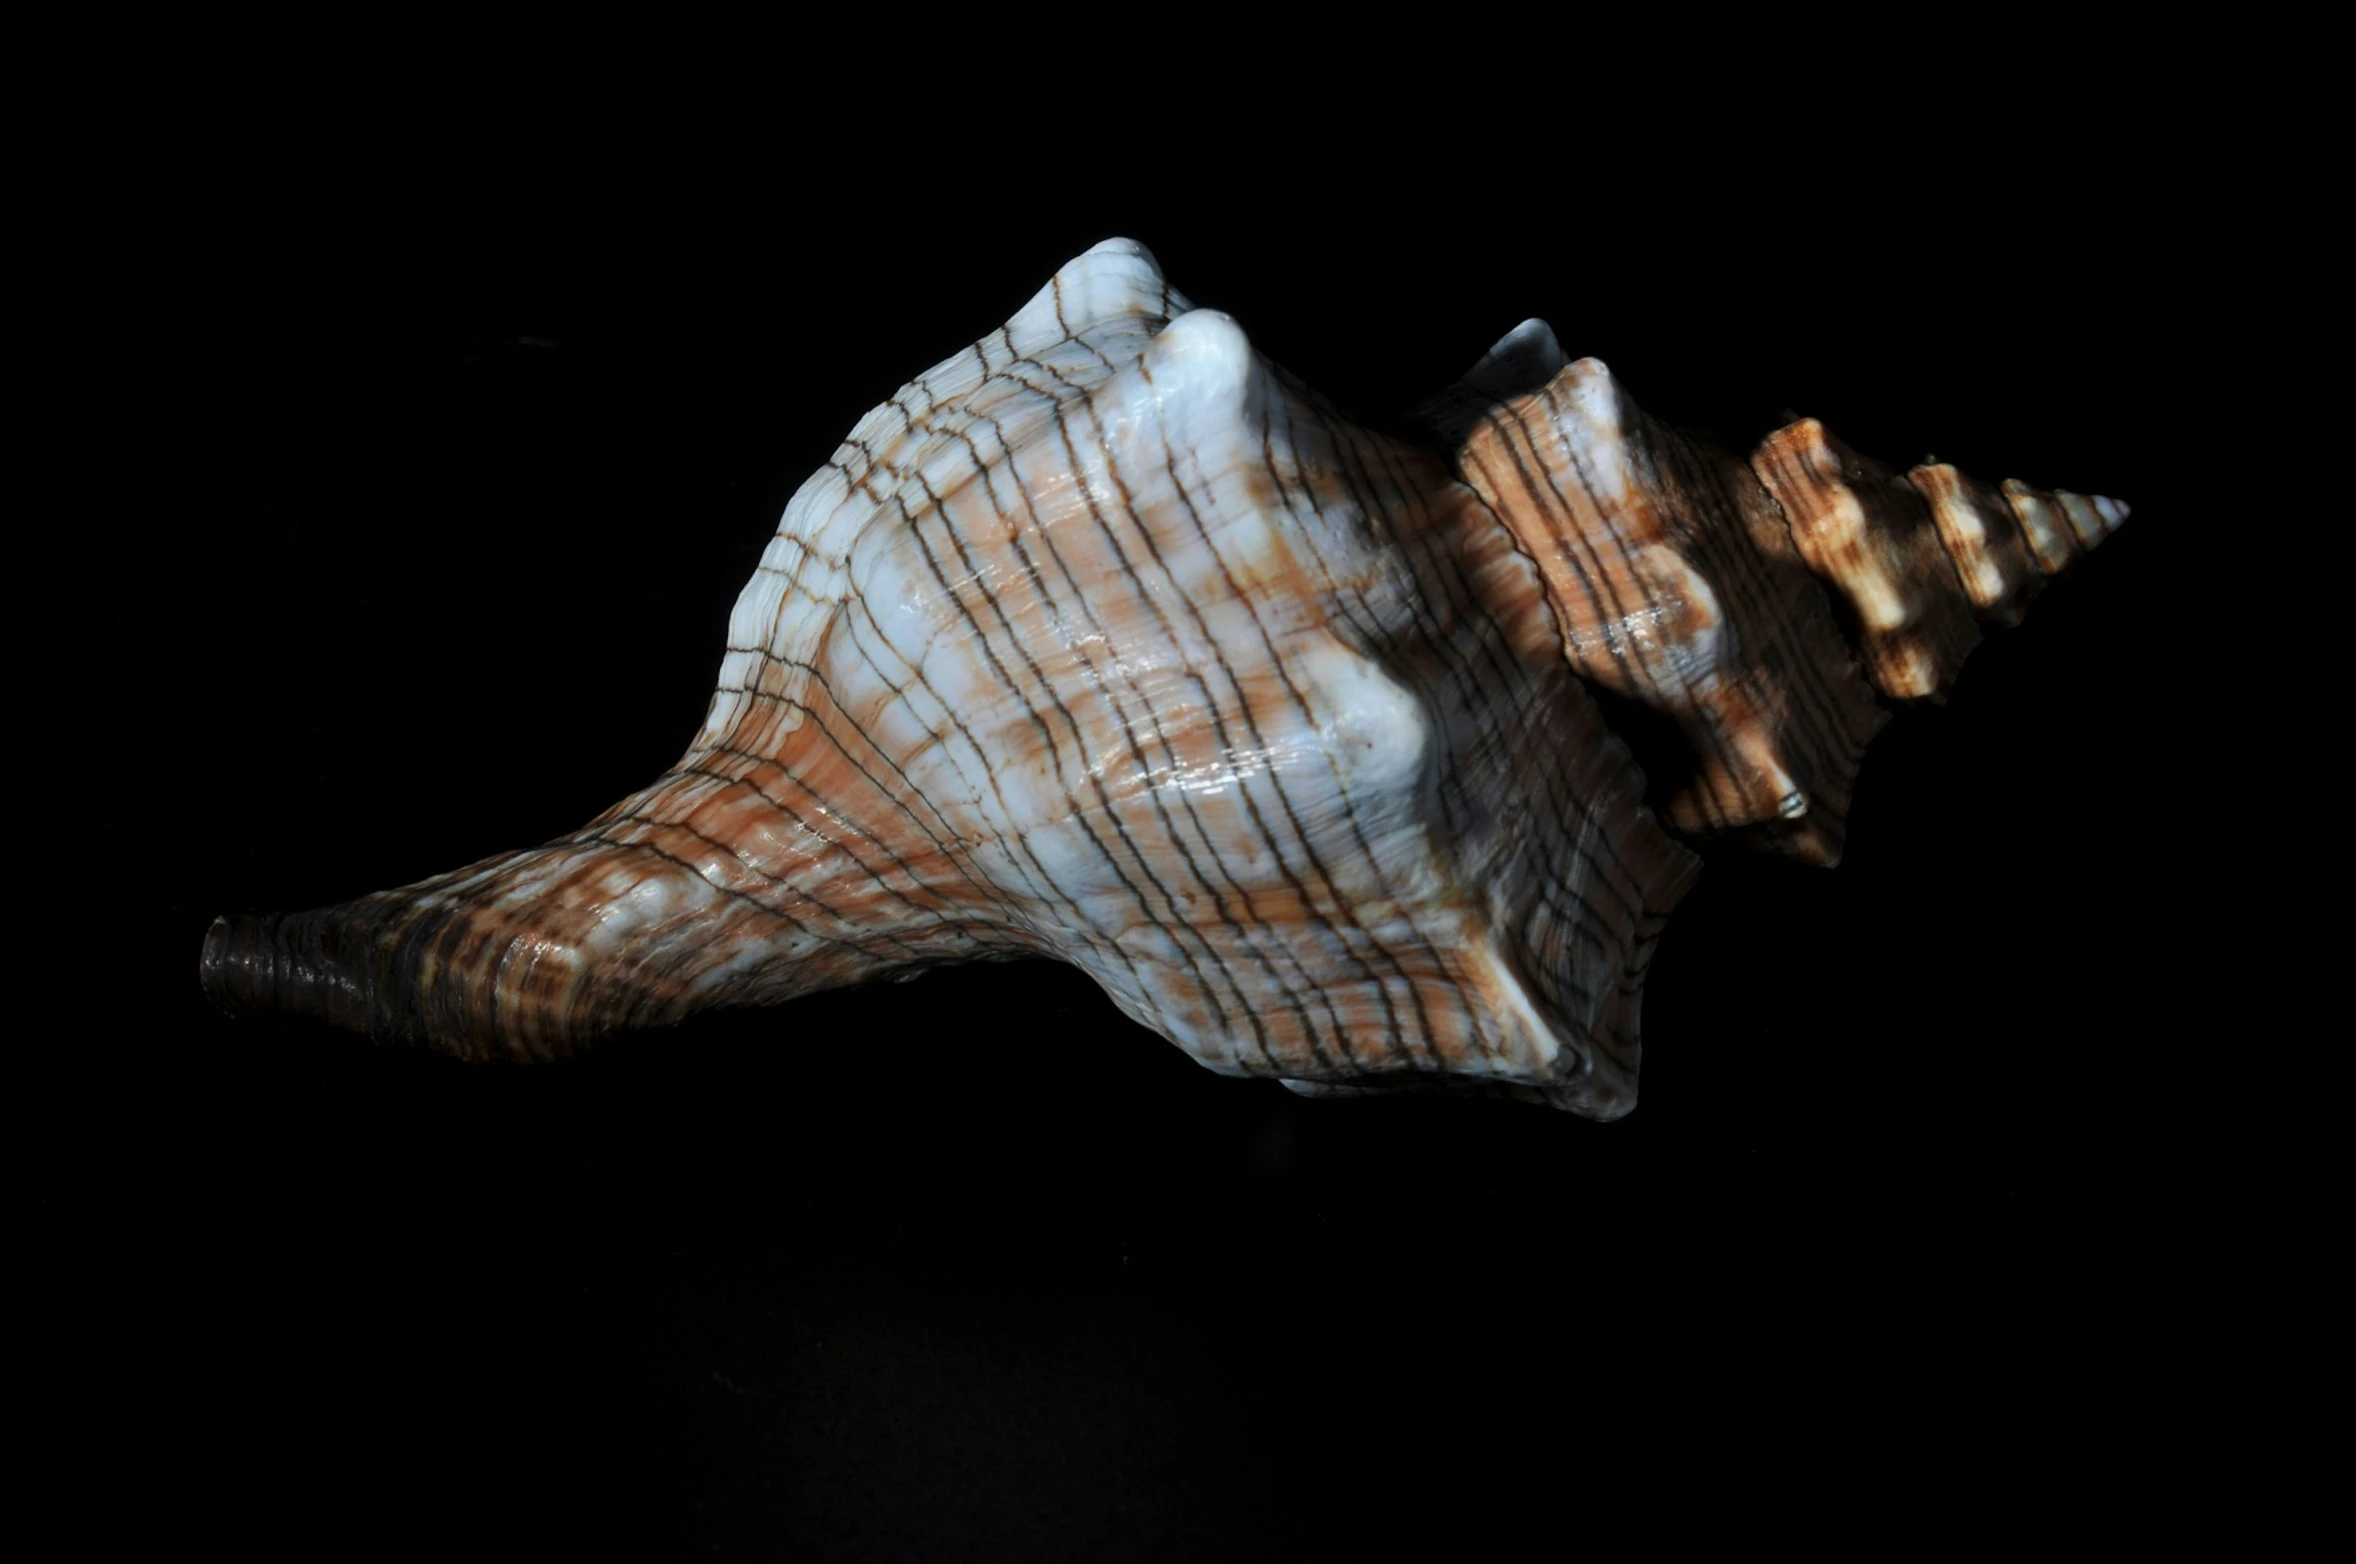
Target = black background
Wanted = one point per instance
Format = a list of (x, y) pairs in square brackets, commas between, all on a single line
[(412, 491)]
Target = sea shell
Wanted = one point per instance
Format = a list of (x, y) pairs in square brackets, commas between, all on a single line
[(1107, 640)]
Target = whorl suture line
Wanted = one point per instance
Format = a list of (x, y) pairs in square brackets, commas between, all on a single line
[(1108, 641)]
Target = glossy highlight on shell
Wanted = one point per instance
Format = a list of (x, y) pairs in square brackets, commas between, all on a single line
[(1106, 640)]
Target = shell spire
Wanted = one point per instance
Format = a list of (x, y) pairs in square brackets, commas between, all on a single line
[(1691, 582), (1106, 640)]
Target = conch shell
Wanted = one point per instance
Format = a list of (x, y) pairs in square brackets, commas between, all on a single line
[(1107, 640)]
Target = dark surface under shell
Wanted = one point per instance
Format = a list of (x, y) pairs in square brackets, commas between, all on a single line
[(434, 554)]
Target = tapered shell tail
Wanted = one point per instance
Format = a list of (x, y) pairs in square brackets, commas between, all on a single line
[(263, 962), (465, 964), (380, 967), (530, 954)]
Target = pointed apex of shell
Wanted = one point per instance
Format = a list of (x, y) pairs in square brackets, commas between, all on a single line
[(2092, 516), (2059, 525)]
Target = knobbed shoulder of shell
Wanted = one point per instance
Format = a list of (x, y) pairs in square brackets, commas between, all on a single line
[(1107, 640)]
